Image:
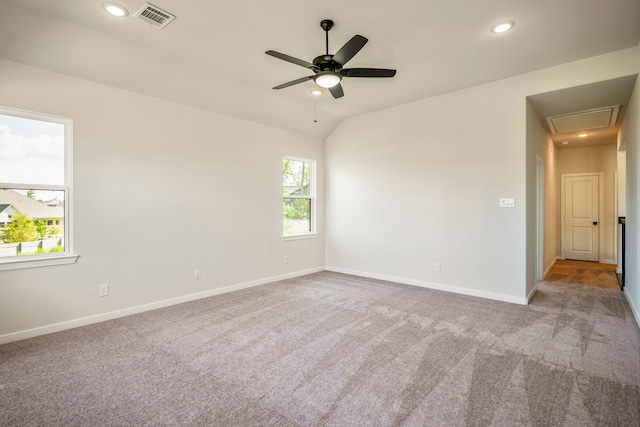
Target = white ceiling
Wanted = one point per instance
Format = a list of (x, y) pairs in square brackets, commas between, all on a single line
[(212, 55)]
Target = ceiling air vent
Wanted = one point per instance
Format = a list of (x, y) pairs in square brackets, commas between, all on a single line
[(154, 15), (583, 120)]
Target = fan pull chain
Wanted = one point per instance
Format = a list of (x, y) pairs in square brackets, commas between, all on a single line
[(315, 109)]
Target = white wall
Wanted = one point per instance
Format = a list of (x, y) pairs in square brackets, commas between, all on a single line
[(593, 159), (546, 150), (420, 183), (622, 182), (622, 198), (631, 136), (158, 173)]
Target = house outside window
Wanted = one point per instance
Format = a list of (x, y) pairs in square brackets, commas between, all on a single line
[(298, 192), (35, 189)]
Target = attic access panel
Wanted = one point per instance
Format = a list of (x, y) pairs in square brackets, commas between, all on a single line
[(584, 120)]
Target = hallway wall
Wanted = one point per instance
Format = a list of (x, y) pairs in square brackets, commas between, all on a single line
[(631, 136), (547, 151), (592, 159)]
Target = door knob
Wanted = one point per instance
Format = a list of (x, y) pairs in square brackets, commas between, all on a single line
[(595, 222)]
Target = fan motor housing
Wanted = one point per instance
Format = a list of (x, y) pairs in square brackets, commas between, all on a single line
[(326, 62)]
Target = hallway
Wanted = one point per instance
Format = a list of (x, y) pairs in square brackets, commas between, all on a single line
[(584, 273)]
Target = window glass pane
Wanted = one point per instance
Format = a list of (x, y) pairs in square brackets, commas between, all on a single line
[(25, 216), (296, 178), (297, 216), (31, 151)]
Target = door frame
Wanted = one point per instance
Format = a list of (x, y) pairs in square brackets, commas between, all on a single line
[(562, 210), (539, 218)]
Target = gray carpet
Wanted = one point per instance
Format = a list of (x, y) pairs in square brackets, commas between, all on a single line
[(335, 350)]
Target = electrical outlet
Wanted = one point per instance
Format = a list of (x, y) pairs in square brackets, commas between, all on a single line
[(436, 266), (196, 274), (285, 259), (103, 290)]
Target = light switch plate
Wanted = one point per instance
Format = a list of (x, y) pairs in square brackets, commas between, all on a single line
[(507, 203)]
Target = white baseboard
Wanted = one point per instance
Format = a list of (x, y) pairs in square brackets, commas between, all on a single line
[(634, 309), (430, 285), (84, 321), (548, 270), (533, 291), (608, 261)]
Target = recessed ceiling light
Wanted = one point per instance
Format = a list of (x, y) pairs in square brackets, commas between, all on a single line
[(115, 9), (583, 134), (502, 27), (565, 142)]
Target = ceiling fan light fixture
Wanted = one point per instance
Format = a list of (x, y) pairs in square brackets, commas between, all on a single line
[(329, 69), (327, 79)]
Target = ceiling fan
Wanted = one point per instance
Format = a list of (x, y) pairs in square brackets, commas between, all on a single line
[(328, 71)]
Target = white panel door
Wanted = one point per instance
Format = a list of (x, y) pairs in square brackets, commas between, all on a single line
[(581, 217)]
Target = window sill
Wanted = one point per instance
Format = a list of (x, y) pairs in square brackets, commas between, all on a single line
[(300, 237), (33, 262)]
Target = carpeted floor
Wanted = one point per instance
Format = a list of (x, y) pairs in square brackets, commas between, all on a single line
[(335, 350)]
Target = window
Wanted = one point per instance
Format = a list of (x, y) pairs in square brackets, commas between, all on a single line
[(298, 192), (35, 189)]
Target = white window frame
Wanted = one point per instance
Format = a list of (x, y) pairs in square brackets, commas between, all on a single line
[(68, 256), (312, 197)]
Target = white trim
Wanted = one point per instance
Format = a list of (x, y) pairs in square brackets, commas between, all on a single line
[(533, 291), (300, 236), (615, 215), (548, 270), (84, 321), (39, 261), (539, 218), (431, 285), (68, 182)]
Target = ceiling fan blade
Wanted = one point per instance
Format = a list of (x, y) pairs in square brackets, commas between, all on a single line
[(367, 72), (350, 48), (294, 82), (291, 59), (337, 91)]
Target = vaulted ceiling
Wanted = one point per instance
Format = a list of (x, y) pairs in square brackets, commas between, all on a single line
[(212, 55)]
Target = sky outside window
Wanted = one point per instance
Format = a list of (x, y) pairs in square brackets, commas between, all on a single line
[(31, 152)]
